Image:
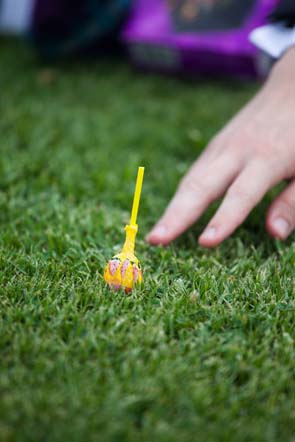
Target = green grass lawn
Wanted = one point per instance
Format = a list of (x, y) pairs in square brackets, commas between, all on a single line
[(205, 349)]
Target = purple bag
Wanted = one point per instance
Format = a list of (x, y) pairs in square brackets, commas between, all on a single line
[(196, 36)]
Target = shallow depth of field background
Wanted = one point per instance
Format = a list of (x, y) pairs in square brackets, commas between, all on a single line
[(205, 349)]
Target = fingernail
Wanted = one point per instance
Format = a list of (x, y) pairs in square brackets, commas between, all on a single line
[(282, 227), (159, 231), (209, 233)]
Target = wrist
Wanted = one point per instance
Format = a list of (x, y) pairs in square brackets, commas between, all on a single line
[(283, 71)]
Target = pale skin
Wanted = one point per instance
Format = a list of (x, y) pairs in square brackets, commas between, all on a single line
[(253, 153)]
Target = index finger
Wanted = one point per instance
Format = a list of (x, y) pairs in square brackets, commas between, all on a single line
[(205, 182)]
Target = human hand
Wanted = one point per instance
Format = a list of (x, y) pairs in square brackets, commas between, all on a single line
[(253, 153)]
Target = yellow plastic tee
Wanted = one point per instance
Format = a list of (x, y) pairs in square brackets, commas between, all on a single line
[(137, 194)]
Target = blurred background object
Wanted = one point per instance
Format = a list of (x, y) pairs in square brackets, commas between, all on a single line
[(63, 28), (197, 36), (168, 36)]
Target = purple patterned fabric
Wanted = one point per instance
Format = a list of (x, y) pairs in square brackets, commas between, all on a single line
[(154, 42)]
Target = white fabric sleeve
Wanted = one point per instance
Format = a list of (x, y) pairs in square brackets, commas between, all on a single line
[(16, 16), (273, 39)]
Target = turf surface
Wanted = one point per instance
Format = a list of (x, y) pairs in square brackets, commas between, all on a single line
[(205, 350)]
